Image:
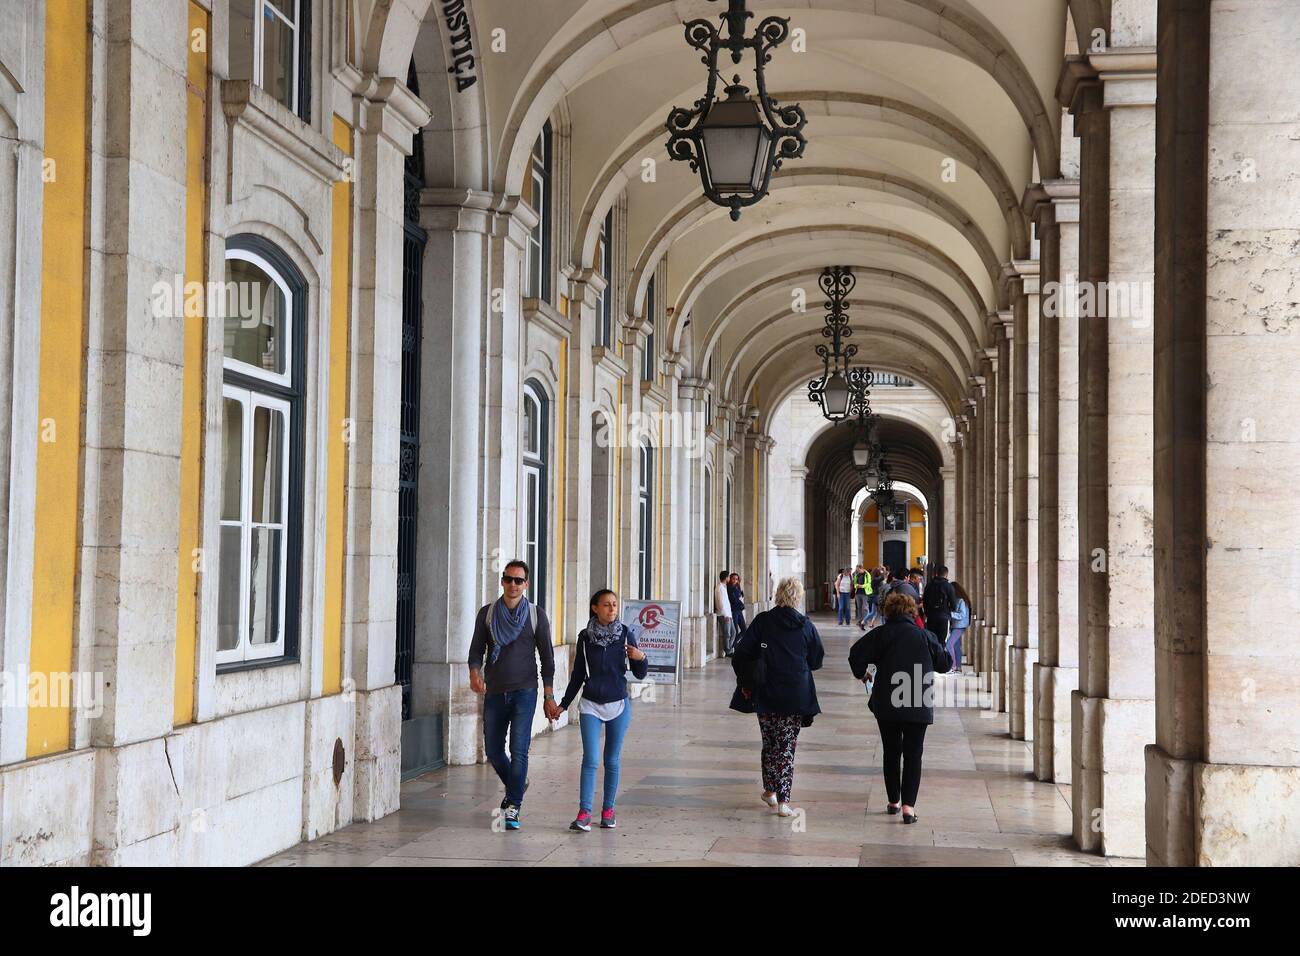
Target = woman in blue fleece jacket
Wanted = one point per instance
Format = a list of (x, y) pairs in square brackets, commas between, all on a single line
[(606, 648)]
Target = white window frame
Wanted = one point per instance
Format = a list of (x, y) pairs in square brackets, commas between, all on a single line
[(536, 537), (534, 286), (645, 538), (259, 41), (251, 401), (284, 378)]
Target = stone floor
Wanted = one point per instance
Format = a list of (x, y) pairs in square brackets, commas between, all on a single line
[(690, 787)]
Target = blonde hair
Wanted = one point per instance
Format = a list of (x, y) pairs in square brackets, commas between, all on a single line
[(899, 603), (789, 593)]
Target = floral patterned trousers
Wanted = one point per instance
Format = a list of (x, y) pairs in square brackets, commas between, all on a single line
[(780, 734)]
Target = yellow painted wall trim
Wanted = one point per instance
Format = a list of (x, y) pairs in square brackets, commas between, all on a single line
[(191, 486), (62, 365), (337, 462)]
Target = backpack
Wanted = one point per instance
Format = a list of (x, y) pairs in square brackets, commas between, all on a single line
[(487, 620)]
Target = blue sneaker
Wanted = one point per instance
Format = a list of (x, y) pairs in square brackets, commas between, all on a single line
[(512, 818)]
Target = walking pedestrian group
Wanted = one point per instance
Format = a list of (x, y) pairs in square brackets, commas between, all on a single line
[(912, 634)]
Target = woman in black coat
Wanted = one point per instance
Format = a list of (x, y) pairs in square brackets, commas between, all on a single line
[(903, 654), (785, 646)]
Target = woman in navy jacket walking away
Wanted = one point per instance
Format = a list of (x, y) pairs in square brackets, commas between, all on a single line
[(606, 648), (902, 698), (789, 649)]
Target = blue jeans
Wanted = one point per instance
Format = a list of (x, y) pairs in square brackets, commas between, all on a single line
[(512, 711), (614, 732), (844, 606), (954, 646)]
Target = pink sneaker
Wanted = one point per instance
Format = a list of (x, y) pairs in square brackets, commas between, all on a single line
[(583, 822), (607, 821)]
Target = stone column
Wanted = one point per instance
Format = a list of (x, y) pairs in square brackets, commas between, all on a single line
[(949, 477), (1001, 638), (1223, 776), (1023, 653), (979, 524), (957, 567), (1055, 208), (1112, 96), (458, 279), (989, 444), (387, 120), (130, 448)]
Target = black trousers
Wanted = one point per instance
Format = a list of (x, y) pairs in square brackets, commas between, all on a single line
[(939, 628), (903, 742)]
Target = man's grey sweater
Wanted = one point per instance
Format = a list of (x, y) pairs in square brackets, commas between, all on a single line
[(516, 668)]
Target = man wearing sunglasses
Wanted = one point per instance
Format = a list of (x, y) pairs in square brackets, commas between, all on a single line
[(513, 633)]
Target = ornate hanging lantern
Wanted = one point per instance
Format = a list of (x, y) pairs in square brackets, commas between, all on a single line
[(842, 390), (737, 143)]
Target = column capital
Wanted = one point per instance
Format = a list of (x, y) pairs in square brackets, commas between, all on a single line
[(1051, 201), (1078, 76), (1127, 75), (388, 108), (1002, 323), (991, 357), (1025, 272)]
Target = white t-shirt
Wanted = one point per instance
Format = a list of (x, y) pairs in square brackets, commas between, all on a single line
[(602, 712), (844, 584), (724, 601)]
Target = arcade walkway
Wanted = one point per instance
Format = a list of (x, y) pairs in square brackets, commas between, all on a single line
[(689, 796)]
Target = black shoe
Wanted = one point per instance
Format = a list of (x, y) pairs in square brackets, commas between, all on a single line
[(890, 809), (910, 818)]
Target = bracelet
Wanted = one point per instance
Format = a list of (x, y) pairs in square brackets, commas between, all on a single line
[(549, 697)]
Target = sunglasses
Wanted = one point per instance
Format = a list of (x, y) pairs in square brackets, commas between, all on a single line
[(508, 579)]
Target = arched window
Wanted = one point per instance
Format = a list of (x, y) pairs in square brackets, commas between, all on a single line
[(535, 440), (648, 356), (605, 263), (537, 281), (726, 526), (262, 455), (645, 544), (710, 572)]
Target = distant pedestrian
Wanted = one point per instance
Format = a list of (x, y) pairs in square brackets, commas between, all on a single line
[(902, 698), (861, 594), (736, 594), (960, 622), (940, 601), (843, 595), (774, 663), (606, 649), (722, 608)]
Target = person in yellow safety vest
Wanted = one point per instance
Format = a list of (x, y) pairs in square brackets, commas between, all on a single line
[(861, 594)]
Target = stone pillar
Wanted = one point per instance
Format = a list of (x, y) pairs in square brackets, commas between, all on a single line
[(1000, 636), (1223, 776), (387, 120), (1023, 653), (130, 483), (989, 444), (957, 566), (697, 606), (457, 277), (1112, 96), (979, 524), (1054, 206), (949, 477)]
